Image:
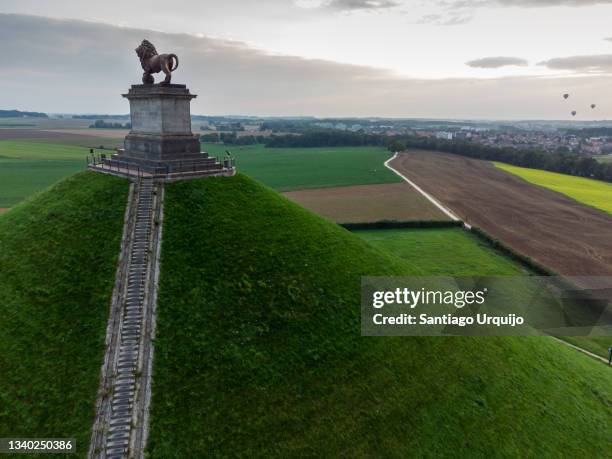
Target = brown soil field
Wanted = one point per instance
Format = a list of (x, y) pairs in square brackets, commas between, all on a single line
[(569, 237), (368, 203), (3, 209), (16, 134), (100, 133)]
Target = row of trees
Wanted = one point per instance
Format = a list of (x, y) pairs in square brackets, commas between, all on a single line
[(327, 138), (20, 114), (100, 124), (230, 138)]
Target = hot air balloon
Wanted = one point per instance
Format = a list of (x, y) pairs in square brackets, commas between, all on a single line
[(574, 112), (565, 96), (593, 105)]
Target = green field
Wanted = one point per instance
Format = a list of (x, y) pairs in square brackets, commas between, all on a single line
[(457, 252), (44, 123), (28, 166), (286, 169), (20, 179), (58, 253), (42, 150), (587, 191), (259, 353), (86, 142)]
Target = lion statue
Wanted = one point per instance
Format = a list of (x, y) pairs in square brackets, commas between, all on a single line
[(154, 63)]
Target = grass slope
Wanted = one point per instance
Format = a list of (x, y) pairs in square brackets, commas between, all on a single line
[(259, 353), (587, 191), (287, 169), (58, 253)]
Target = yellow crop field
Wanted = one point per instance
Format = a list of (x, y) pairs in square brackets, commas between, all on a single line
[(587, 191)]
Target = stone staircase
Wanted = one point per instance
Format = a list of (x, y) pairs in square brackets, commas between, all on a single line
[(119, 430), (124, 387)]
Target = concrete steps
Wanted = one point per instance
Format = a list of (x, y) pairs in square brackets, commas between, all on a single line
[(120, 428), (124, 387)]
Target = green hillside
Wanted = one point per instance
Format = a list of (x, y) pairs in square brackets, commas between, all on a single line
[(58, 253), (259, 353)]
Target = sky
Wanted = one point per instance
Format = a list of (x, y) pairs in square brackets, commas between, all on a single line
[(475, 59)]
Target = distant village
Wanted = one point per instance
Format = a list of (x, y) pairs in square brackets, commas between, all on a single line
[(585, 139)]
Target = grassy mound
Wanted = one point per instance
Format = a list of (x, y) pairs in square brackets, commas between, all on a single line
[(259, 352), (58, 253)]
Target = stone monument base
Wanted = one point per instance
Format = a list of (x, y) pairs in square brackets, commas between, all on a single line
[(160, 143)]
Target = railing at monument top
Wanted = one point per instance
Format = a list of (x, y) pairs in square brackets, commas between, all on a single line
[(118, 166), (132, 170)]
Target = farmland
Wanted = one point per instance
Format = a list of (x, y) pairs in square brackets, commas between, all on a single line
[(287, 169), (587, 191), (31, 160), (368, 203), (457, 252), (571, 238), (30, 165), (19, 179)]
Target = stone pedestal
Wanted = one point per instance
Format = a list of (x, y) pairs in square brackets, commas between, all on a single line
[(160, 141)]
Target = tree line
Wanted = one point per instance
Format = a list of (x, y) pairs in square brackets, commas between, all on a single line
[(100, 124), (20, 114), (562, 162)]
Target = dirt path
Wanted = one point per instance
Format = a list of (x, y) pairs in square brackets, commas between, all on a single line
[(569, 237), (445, 210)]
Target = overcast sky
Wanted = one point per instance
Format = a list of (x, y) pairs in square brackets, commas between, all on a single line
[(403, 58)]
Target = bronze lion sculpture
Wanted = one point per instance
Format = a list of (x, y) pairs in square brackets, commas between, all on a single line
[(154, 63)]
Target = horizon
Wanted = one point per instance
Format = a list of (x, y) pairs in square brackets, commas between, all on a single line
[(442, 60), (53, 114)]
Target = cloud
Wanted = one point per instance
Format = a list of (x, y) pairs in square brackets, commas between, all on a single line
[(354, 5), (444, 20), (520, 3), (599, 63), (63, 66), (453, 12), (547, 3), (496, 62), (347, 5)]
